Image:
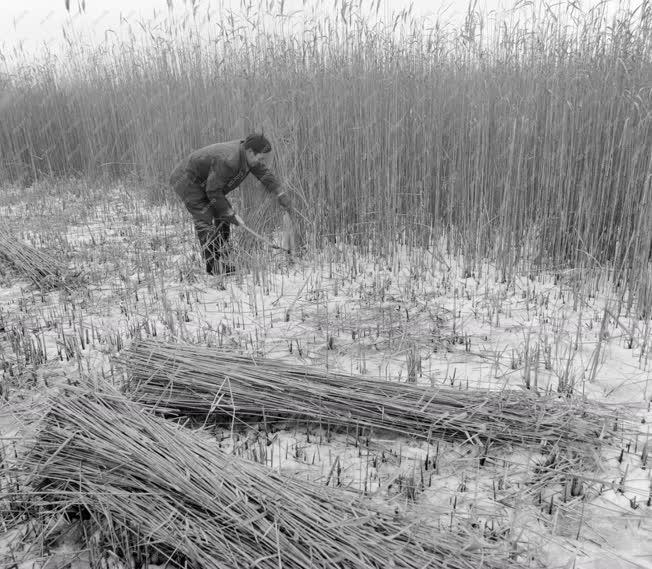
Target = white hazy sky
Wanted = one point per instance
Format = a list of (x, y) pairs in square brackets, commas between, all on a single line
[(34, 23)]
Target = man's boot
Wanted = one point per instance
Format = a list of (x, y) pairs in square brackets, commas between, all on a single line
[(226, 268)]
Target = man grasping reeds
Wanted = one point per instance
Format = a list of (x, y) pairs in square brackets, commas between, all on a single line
[(206, 176)]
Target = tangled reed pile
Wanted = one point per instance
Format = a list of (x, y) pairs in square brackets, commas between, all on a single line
[(190, 380), (148, 483), (42, 269)]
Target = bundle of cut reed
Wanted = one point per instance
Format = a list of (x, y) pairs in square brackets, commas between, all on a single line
[(153, 484), (41, 268), (193, 380)]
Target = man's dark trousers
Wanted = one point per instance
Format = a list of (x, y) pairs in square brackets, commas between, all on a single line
[(214, 242), (212, 232)]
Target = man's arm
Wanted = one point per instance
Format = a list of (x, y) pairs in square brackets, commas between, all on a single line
[(272, 185)]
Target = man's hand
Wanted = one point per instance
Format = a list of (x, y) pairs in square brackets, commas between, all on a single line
[(284, 201)]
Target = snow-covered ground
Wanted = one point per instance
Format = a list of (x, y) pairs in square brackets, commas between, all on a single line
[(412, 315)]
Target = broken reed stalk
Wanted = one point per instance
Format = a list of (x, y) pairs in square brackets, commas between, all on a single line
[(42, 269), (155, 486), (191, 380)]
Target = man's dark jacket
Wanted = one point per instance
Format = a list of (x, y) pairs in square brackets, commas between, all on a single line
[(218, 169)]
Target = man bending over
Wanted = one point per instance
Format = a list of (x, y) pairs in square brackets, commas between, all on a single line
[(207, 176)]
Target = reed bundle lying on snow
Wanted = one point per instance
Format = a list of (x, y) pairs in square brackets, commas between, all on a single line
[(150, 482), (42, 269), (194, 380)]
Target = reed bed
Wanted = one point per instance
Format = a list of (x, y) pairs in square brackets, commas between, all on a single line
[(191, 380), (44, 270), (158, 487), (523, 140)]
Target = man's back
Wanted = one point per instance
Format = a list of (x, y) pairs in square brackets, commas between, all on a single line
[(229, 154)]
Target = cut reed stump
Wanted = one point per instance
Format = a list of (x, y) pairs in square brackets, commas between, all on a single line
[(44, 270), (151, 486), (191, 380)]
